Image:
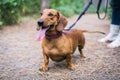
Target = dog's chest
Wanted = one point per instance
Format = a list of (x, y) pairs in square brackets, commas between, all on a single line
[(57, 47), (57, 52)]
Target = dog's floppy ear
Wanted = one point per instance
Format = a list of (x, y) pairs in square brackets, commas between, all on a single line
[(62, 22)]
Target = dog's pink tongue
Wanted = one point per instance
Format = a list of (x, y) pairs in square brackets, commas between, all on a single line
[(41, 34)]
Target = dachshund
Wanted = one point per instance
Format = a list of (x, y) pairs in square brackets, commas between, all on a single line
[(57, 44)]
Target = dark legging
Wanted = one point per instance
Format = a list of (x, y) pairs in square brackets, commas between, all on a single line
[(115, 12)]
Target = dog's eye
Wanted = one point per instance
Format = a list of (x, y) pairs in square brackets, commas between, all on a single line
[(50, 14)]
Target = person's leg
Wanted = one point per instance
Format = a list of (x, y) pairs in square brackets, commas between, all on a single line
[(114, 27), (116, 21)]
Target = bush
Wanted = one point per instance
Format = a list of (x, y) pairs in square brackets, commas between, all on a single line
[(30, 7), (68, 7), (9, 11), (12, 10)]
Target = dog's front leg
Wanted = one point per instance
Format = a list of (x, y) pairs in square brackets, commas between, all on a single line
[(69, 62), (45, 65)]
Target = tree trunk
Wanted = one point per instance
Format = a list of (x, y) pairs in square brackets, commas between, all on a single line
[(44, 4)]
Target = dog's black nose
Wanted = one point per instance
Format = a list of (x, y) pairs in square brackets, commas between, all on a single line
[(40, 22)]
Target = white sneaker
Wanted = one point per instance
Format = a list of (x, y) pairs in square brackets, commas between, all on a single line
[(115, 43), (114, 30)]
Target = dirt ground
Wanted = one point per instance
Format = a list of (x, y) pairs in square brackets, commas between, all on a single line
[(21, 55)]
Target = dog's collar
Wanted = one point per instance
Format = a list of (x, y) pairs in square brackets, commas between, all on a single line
[(54, 36)]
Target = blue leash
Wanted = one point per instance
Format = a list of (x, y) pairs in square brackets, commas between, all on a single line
[(98, 9), (85, 9)]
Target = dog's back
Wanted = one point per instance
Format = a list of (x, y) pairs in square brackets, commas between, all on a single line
[(77, 37)]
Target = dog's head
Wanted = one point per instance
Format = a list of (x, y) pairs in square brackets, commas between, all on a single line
[(50, 20), (51, 17)]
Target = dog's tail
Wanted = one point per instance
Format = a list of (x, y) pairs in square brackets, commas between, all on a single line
[(93, 32)]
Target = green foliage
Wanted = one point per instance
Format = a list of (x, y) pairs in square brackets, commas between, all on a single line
[(109, 14), (71, 7), (11, 10), (30, 6), (68, 7)]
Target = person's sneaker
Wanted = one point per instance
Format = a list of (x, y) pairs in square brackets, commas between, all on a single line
[(115, 43), (114, 30)]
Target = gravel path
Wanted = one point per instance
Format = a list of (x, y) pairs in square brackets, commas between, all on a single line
[(21, 55)]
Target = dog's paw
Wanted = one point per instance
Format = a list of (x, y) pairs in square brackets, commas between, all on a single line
[(82, 56), (71, 67), (43, 68)]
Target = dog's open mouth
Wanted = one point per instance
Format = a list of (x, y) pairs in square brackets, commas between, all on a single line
[(42, 32)]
